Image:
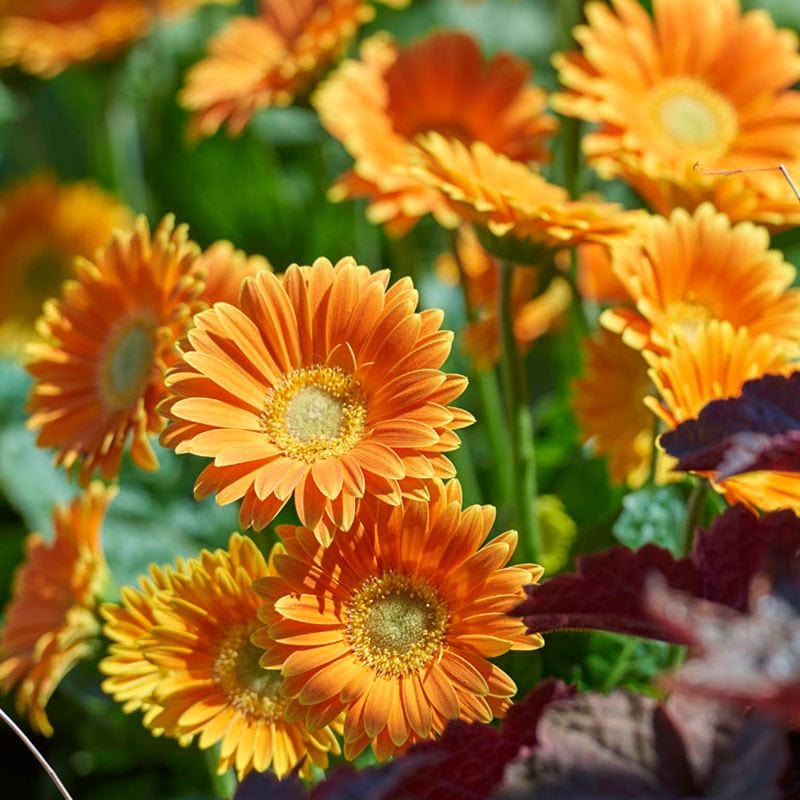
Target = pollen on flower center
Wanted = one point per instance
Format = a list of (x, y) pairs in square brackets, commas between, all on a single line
[(396, 624), (127, 362), (693, 116), (315, 413), (250, 688)]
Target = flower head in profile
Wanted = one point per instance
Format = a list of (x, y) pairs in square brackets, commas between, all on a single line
[(108, 339), (44, 37), (692, 268), (267, 60), (609, 406), (534, 314), (440, 83), (714, 363), (224, 269), (50, 623), (44, 225), (325, 385), (395, 622), (189, 642), (520, 212), (696, 90)]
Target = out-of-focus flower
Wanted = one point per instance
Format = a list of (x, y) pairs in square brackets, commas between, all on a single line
[(400, 639), (208, 681), (700, 88), (268, 60), (325, 385), (609, 406), (691, 268), (225, 269), (597, 280), (533, 316), (43, 226), (512, 203), (377, 105), (50, 622), (107, 343), (712, 363), (44, 37)]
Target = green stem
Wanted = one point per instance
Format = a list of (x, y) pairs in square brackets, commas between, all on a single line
[(520, 424), (465, 467), (223, 786), (695, 506), (620, 668)]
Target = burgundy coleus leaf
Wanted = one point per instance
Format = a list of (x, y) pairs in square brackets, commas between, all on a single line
[(625, 745), (759, 430), (265, 786), (753, 658), (465, 763), (607, 590)]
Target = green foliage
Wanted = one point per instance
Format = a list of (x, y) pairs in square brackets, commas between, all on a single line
[(653, 515)]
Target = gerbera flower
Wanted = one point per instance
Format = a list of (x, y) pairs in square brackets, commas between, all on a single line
[(394, 623), (443, 84), (480, 273), (50, 622), (692, 268), (504, 197), (109, 339), (700, 88), (44, 37), (325, 385), (267, 60), (44, 225), (225, 268), (597, 280), (209, 682), (609, 405), (711, 364)]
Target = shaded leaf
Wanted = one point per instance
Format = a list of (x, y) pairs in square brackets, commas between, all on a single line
[(265, 786), (607, 590), (759, 430), (653, 515)]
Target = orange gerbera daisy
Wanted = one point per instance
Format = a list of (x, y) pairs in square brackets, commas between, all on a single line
[(700, 88), (209, 682), (109, 339), (267, 60), (325, 385), (44, 37), (506, 199), (692, 268), (443, 84), (533, 315), (609, 406), (225, 268), (44, 225), (711, 364), (50, 622), (395, 622), (597, 280)]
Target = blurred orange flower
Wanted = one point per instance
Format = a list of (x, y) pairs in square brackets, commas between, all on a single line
[(441, 83), (700, 88), (44, 37), (400, 639), (267, 60), (44, 225), (691, 268), (107, 341), (597, 280), (50, 622), (325, 385), (225, 269)]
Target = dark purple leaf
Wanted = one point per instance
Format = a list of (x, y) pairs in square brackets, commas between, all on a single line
[(265, 786), (607, 591), (759, 430)]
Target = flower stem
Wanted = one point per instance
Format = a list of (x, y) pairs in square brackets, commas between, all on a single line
[(224, 785), (694, 513), (520, 425), (51, 773)]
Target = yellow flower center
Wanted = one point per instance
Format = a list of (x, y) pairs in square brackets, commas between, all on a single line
[(693, 116), (396, 624), (688, 316), (315, 413), (128, 361), (247, 686)]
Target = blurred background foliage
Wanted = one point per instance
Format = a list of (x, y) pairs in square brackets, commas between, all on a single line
[(118, 124)]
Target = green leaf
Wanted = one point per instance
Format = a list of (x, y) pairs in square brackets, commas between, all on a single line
[(653, 515)]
